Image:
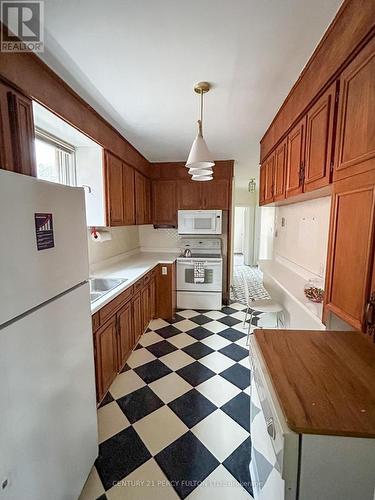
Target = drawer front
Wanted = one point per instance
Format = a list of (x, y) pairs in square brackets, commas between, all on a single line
[(108, 310)]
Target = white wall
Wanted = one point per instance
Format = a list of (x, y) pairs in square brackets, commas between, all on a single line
[(89, 162), (239, 228), (123, 240), (304, 238), (266, 232)]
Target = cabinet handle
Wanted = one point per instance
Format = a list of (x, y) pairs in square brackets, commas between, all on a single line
[(271, 428)]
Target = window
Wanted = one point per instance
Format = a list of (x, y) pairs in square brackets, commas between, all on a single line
[(55, 159)]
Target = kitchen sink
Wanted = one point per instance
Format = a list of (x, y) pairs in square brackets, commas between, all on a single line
[(101, 286)]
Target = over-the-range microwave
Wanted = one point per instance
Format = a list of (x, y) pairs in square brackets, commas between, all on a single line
[(200, 221)]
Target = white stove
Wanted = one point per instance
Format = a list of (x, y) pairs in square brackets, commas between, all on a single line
[(200, 275)]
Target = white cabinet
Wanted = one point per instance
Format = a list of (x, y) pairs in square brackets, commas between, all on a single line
[(89, 167)]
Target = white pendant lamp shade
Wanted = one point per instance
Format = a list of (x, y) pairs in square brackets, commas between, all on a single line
[(202, 178), (200, 171), (199, 156), (200, 161)]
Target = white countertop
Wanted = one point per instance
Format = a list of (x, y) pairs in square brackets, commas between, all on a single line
[(293, 284), (131, 267)]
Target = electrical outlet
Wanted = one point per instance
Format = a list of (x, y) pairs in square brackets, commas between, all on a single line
[(164, 270)]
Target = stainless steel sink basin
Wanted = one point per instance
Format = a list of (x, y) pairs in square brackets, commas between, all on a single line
[(101, 286)]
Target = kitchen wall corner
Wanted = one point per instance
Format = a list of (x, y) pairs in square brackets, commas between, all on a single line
[(123, 240)]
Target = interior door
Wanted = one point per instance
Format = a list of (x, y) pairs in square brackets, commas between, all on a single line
[(128, 194), (114, 190), (295, 164), (280, 171), (351, 249), (319, 134), (355, 151)]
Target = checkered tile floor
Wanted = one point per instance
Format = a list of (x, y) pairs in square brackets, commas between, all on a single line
[(175, 423)]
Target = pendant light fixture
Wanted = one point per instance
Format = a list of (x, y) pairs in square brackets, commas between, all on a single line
[(200, 160)]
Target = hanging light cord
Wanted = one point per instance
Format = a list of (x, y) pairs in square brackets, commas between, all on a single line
[(200, 121)]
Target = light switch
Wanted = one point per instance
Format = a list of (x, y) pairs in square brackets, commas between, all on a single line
[(164, 270)]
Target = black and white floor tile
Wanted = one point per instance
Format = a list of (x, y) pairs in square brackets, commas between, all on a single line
[(175, 423), (254, 279)]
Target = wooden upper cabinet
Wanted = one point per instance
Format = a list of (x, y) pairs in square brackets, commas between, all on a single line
[(114, 190), (262, 184), (128, 195), (319, 134), (351, 249), (295, 163), (189, 195), (214, 194), (164, 201), (269, 175), (355, 143), (148, 201), (280, 171), (140, 198), (17, 150)]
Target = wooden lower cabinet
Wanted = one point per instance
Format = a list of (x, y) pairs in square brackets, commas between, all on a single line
[(125, 333), (106, 360), (118, 325), (350, 279)]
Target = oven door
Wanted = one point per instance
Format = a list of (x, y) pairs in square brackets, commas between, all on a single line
[(212, 276), (199, 221)]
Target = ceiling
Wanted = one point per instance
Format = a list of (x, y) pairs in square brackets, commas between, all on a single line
[(136, 63)]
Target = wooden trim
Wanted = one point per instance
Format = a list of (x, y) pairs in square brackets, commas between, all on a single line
[(33, 78), (351, 29)]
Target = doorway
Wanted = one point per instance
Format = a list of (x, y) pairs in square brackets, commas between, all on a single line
[(246, 239)]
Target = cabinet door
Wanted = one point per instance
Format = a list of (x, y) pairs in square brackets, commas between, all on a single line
[(105, 346), (137, 317), (148, 201), (295, 164), (125, 333), (355, 151), (351, 249), (129, 195), (280, 171), (269, 175), (6, 150), (164, 202), (114, 190), (262, 184), (22, 130), (153, 297), (189, 195), (166, 291), (215, 194), (319, 133), (140, 198), (145, 296)]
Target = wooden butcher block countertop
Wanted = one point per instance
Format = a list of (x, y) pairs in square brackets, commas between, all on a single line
[(324, 381)]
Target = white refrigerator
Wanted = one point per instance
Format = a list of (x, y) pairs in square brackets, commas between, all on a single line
[(48, 423)]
